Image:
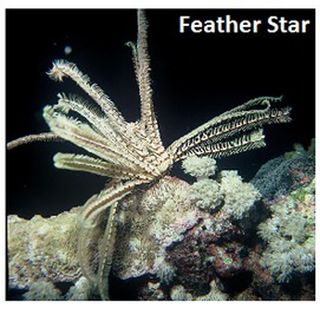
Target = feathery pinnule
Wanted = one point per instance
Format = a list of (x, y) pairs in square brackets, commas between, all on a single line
[(212, 138)]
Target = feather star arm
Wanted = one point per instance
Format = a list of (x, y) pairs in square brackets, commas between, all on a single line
[(99, 123), (142, 58), (240, 120), (91, 217), (63, 68), (85, 137), (106, 253), (246, 142), (45, 137), (84, 163), (108, 197)]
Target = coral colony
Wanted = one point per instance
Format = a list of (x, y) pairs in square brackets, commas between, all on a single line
[(145, 222)]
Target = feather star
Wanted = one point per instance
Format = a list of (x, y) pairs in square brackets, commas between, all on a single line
[(132, 154)]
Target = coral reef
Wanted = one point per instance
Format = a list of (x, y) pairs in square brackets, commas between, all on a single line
[(237, 197), (150, 222), (152, 292), (178, 293), (180, 242), (81, 291), (199, 167), (42, 290), (140, 212), (206, 194), (286, 173), (289, 234), (43, 248)]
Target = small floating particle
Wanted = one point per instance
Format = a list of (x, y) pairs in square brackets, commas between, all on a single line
[(67, 50)]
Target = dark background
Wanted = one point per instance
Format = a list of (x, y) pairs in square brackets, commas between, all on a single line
[(195, 77)]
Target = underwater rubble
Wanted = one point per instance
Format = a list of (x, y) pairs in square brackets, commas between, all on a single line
[(219, 238)]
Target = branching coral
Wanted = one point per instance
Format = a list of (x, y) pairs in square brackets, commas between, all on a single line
[(237, 197), (206, 194), (200, 167), (289, 234)]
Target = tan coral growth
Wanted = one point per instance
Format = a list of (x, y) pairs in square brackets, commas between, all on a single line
[(150, 222), (42, 290), (43, 248)]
